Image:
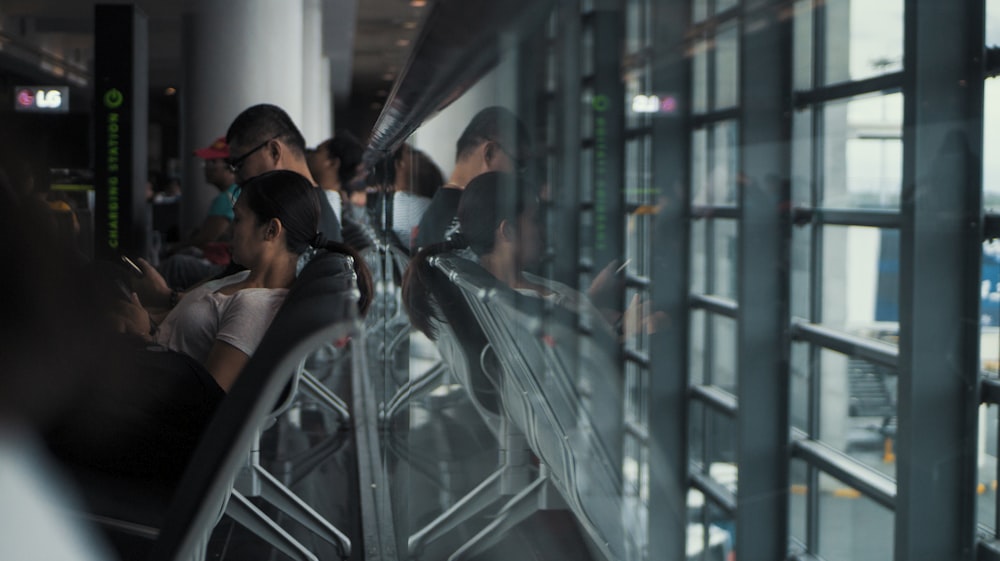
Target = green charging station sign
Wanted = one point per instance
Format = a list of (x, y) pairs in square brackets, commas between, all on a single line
[(113, 100)]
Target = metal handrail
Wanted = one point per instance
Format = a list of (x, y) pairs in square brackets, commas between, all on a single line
[(851, 345)]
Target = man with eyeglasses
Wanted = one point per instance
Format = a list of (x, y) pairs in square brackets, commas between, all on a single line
[(206, 251), (495, 140), (263, 138)]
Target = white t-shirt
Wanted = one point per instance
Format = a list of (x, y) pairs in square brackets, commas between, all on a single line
[(336, 203), (205, 314), (407, 210)]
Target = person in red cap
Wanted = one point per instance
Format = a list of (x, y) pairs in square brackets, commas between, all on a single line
[(206, 252), (220, 213)]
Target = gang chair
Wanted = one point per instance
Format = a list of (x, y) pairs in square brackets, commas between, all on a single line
[(571, 418), (172, 520)]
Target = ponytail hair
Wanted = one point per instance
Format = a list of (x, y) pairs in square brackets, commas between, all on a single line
[(292, 199), (358, 263), (418, 282)]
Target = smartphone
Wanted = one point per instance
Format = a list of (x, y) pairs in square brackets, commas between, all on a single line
[(133, 267)]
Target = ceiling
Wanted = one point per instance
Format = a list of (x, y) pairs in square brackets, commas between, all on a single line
[(367, 41)]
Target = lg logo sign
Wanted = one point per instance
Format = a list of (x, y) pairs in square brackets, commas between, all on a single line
[(41, 99)]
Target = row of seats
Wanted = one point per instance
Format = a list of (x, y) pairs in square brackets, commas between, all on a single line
[(555, 412), (173, 520), (555, 408)]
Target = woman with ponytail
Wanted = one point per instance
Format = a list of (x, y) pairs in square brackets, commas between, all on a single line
[(221, 322), (498, 228)]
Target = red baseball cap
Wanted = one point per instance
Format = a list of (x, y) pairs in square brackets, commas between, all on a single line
[(217, 150)]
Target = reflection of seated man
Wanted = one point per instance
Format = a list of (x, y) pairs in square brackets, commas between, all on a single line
[(504, 234), (207, 251), (495, 140)]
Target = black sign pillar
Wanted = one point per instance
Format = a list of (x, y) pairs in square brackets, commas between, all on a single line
[(121, 82), (608, 114)]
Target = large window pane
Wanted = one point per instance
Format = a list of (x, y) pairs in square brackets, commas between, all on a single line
[(851, 526), (862, 152), (699, 256), (986, 484), (989, 290), (699, 167), (722, 354), (723, 5), (727, 59), (713, 444), (860, 277), (798, 492), (699, 76), (864, 38), (724, 163), (858, 410), (801, 273), (993, 22), (723, 258), (696, 344), (708, 524), (802, 55), (801, 374), (802, 158), (699, 10), (991, 144)]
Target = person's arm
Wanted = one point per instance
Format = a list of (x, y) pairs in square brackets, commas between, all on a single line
[(131, 317), (225, 362)]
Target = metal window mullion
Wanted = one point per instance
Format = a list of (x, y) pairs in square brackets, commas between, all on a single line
[(566, 215), (870, 482), (814, 425), (709, 365), (815, 276), (763, 296), (940, 252), (669, 272), (821, 94)]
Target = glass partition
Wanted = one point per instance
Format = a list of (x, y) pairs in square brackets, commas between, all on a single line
[(682, 283)]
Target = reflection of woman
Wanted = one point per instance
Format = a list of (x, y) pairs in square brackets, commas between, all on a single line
[(501, 228), (417, 179), (221, 322)]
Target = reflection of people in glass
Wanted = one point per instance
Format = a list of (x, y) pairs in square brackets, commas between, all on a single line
[(499, 223), (504, 235), (417, 180), (495, 140)]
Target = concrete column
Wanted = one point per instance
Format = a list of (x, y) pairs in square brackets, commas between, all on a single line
[(234, 56), (312, 72), (327, 126)]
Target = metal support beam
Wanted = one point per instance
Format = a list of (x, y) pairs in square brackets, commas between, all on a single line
[(763, 294), (939, 270), (867, 480), (669, 289)]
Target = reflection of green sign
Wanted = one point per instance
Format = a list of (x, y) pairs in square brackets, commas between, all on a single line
[(113, 98), (601, 103)]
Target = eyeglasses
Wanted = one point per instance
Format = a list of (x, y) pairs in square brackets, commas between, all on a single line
[(236, 163), (521, 163)]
